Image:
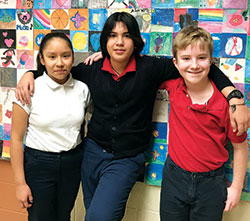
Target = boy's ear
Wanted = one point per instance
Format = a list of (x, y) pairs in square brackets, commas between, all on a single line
[(175, 62), (211, 60)]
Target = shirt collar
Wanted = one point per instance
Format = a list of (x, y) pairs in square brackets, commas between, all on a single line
[(54, 85), (130, 67)]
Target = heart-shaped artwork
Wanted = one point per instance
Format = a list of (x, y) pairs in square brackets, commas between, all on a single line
[(8, 42), (61, 2), (95, 41), (25, 17), (5, 34)]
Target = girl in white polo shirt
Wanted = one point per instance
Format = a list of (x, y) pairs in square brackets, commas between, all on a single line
[(47, 171)]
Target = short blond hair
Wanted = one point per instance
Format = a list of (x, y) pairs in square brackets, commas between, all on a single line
[(191, 35)]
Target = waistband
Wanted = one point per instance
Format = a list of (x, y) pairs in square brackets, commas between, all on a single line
[(218, 171), (36, 152)]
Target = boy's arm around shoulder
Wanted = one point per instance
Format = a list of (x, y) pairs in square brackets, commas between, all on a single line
[(240, 160)]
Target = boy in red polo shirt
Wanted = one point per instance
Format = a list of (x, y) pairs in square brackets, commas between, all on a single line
[(193, 185)]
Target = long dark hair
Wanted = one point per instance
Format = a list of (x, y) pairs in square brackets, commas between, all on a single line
[(41, 68), (133, 29)]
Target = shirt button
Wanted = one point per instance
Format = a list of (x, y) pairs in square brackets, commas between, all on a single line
[(113, 128), (187, 95)]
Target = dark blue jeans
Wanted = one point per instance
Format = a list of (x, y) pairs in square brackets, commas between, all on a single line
[(107, 182), (54, 180), (187, 196)]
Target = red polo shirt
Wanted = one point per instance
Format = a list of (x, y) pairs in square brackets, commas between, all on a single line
[(130, 67), (198, 133)]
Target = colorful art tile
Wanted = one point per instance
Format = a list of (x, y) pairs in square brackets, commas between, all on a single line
[(94, 41), (79, 40), (234, 69), (8, 77), (118, 3), (155, 158), (97, 18), (7, 19), (233, 45), (41, 19), (24, 40), (6, 131), (24, 19), (6, 149), (143, 18), (23, 4), (25, 59), (211, 20), (42, 4), (163, 3), (1, 131), (217, 44), (159, 132), (8, 58), (247, 72), (59, 19), (7, 4), (234, 21), (79, 19), (92, 3), (162, 20), (242, 4), (186, 4), (7, 39), (61, 3), (184, 17), (146, 39), (140, 4), (1, 118), (38, 36), (160, 43), (211, 3), (247, 95)]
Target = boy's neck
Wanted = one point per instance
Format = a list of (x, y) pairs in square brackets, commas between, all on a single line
[(200, 93)]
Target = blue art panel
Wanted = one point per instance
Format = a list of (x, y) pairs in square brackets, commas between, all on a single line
[(233, 45), (146, 39), (163, 17), (94, 41), (1, 132), (247, 71), (184, 17), (217, 44), (247, 94), (97, 18), (163, 3), (42, 4), (159, 132), (155, 158), (7, 15)]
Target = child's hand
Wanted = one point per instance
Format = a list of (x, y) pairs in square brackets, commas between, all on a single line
[(24, 196), (25, 88), (233, 198), (94, 57)]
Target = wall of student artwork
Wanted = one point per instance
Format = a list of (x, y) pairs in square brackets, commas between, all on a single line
[(23, 23)]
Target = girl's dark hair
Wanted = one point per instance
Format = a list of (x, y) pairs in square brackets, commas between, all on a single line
[(41, 68), (132, 27)]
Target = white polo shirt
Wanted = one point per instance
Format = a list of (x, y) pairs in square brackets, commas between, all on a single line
[(56, 114)]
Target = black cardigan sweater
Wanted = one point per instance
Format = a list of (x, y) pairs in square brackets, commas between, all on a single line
[(121, 121)]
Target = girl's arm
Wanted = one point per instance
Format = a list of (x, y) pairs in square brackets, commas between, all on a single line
[(19, 126), (239, 171)]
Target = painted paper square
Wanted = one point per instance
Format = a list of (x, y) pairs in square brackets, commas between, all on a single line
[(79, 19), (162, 20), (160, 43), (97, 18), (79, 40)]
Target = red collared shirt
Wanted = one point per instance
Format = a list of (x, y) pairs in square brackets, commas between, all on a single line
[(130, 67), (198, 133)]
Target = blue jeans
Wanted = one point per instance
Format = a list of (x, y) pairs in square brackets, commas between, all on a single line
[(54, 180), (187, 196), (107, 182)]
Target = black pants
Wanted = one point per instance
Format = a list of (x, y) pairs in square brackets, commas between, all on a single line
[(54, 180), (187, 196)]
